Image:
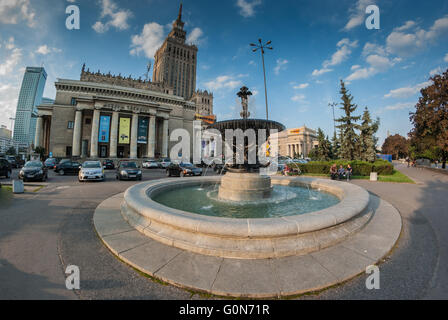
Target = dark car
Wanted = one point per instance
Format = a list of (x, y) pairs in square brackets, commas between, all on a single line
[(33, 171), (5, 168), (128, 170), (183, 169), (12, 161), (50, 163), (108, 164), (68, 168)]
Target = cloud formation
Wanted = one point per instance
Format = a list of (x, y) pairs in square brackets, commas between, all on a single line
[(407, 91), (358, 14), (281, 65), (223, 82), (15, 11), (151, 38), (247, 7), (112, 16), (343, 51)]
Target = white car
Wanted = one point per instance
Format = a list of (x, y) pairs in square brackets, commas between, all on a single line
[(150, 164), (165, 163), (91, 171)]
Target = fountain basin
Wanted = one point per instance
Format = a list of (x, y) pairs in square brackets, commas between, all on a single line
[(247, 238)]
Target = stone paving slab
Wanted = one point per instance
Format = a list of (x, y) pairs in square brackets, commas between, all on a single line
[(262, 278)]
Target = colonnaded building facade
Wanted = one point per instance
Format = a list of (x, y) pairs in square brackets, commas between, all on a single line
[(297, 142), (108, 116)]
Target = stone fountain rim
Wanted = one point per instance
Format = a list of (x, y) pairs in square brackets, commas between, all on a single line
[(354, 200)]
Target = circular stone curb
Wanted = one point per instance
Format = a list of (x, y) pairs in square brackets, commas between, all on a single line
[(247, 238), (255, 278)]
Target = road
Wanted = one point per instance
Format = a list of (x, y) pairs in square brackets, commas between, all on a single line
[(44, 232)]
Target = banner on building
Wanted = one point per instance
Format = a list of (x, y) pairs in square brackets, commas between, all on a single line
[(125, 131), (143, 130), (104, 129)]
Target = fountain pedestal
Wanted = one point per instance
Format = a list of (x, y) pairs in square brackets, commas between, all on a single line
[(243, 186)]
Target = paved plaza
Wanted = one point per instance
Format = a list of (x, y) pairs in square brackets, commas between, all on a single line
[(43, 232)]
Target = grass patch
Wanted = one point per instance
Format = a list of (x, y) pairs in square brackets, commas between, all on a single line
[(396, 177)]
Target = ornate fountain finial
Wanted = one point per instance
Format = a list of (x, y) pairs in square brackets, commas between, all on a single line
[(244, 93)]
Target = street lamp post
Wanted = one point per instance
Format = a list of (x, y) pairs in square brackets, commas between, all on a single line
[(260, 46), (332, 105)]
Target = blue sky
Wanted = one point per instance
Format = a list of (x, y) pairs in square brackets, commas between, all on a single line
[(316, 43)]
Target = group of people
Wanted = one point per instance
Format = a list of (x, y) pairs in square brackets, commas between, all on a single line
[(341, 173)]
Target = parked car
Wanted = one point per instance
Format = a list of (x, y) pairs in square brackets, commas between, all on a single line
[(12, 161), (5, 168), (108, 164), (165, 163), (50, 163), (68, 168), (128, 170), (91, 171), (183, 169), (59, 163), (150, 164), (33, 171)]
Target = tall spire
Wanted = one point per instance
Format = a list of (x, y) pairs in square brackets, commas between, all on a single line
[(179, 17)]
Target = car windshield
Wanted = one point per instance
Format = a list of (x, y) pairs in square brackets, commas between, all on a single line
[(49, 160), (91, 165), (33, 164), (131, 165), (186, 165)]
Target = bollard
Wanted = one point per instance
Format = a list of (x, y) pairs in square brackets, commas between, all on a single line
[(373, 176), (17, 186)]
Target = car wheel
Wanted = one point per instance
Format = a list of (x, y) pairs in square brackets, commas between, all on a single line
[(24, 180), (61, 172), (182, 174), (140, 179), (168, 174)]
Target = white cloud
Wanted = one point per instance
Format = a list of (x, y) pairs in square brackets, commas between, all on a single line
[(44, 50), (281, 65), (407, 91), (377, 64), (400, 106), (372, 48), (355, 67), (115, 17), (358, 14), (15, 11), (446, 58), (223, 82), (408, 25), (149, 40), (344, 49), (407, 43), (435, 71), (319, 72), (298, 98), (301, 86), (247, 7), (195, 36), (10, 62)]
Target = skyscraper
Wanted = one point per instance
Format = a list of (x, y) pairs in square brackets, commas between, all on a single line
[(30, 97), (175, 61)]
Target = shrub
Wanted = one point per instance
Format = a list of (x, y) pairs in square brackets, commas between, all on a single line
[(360, 168)]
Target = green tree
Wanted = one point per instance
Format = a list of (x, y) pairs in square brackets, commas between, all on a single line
[(397, 146), (367, 139), (430, 118), (323, 149), (335, 147), (348, 125), (11, 151)]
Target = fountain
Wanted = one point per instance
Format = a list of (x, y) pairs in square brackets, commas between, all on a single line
[(243, 182), (247, 234)]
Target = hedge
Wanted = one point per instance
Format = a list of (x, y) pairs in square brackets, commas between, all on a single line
[(360, 168)]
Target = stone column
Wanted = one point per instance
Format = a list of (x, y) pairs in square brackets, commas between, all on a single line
[(38, 134), (114, 134), (76, 151), (151, 150), (134, 136), (94, 136), (165, 138)]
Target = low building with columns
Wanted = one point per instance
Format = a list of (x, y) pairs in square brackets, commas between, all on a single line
[(107, 116), (297, 142), (113, 118)]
